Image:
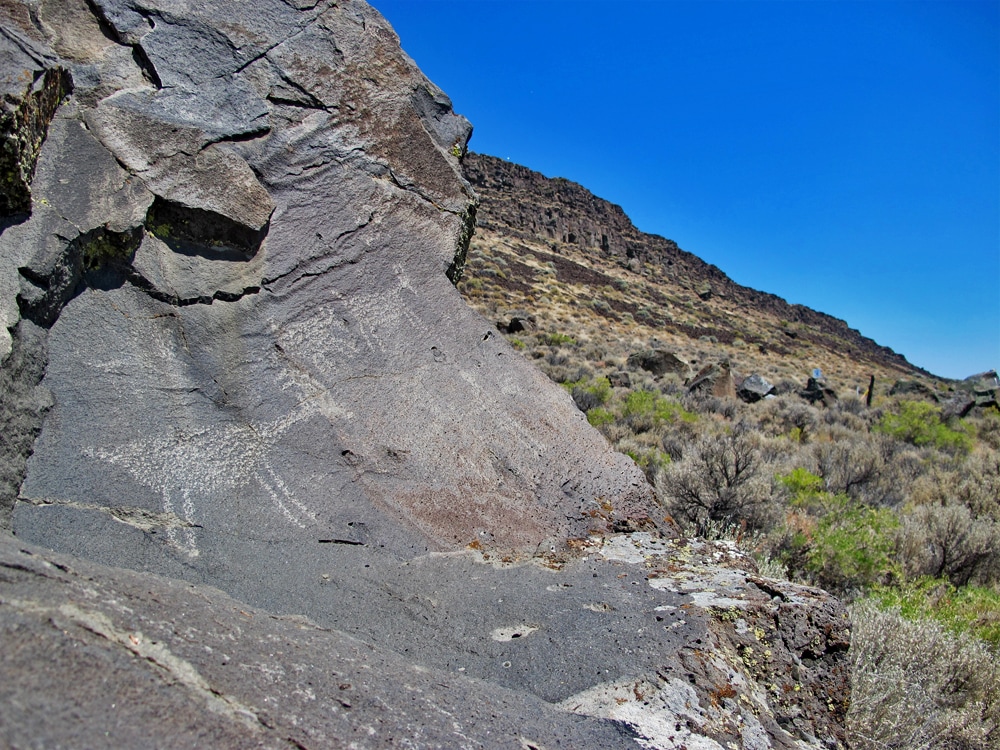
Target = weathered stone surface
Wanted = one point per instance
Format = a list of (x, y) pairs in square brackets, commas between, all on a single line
[(668, 642), (714, 380), (234, 357), (272, 371), (904, 387), (818, 392), (659, 362), (32, 85), (754, 388), (105, 658)]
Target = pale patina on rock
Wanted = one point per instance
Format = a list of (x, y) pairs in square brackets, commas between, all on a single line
[(234, 356)]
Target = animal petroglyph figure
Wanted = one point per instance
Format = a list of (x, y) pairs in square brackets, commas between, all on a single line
[(189, 468)]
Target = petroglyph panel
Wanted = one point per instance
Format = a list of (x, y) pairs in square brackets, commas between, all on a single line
[(192, 469)]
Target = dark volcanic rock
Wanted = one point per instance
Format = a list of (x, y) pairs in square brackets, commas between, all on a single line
[(754, 388), (912, 388), (983, 389), (699, 642), (659, 363), (620, 380), (817, 392), (516, 324), (714, 380), (261, 286), (32, 85), (233, 355), (104, 658)]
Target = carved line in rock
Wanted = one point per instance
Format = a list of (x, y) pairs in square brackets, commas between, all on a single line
[(191, 467)]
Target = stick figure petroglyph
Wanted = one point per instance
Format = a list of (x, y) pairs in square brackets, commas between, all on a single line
[(188, 467)]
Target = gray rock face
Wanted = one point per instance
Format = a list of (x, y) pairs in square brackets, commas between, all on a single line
[(659, 362), (253, 243), (818, 392), (714, 380), (233, 355), (754, 388)]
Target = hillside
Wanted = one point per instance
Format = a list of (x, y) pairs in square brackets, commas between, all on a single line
[(889, 499), (549, 248)]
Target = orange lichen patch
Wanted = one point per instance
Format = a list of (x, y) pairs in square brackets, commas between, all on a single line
[(579, 544), (720, 693)]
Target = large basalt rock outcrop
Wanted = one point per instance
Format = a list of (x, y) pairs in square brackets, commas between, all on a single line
[(233, 355), (244, 251)]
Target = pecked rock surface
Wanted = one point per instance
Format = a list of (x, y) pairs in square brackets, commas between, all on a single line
[(232, 355)]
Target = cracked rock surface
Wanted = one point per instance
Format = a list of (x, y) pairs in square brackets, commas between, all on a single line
[(232, 355)]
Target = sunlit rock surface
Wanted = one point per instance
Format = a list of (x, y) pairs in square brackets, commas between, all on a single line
[(234, 357)]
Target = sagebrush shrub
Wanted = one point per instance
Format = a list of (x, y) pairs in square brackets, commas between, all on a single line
[(915, 686), (947, 541), (720, 480)]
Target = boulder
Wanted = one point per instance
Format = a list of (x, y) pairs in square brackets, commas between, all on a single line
[(714, 380), (754, 388), (983, 381), (620, 379), (913, 388), (658, 362), (817, 392), (517, 324), (984, 390), (958, 404)]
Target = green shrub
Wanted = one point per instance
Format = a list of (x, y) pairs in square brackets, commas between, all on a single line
[(557, 339), (639, 402), (919, 423), (660, 408), (805, 488), (590, 393), (598, 417), (650, 460), (848, 549), (854, 548), (974, 610)]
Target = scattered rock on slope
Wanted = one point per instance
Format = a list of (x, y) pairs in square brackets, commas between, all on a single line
[(754, 388), (714, 380), (659, 362)]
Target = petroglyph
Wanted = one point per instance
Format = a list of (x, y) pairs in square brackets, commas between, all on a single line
[(193, 467)]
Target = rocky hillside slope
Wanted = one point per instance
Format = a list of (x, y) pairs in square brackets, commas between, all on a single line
[(233, 357), (549, 248)]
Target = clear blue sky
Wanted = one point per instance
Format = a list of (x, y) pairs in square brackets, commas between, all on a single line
[(843, 155)]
